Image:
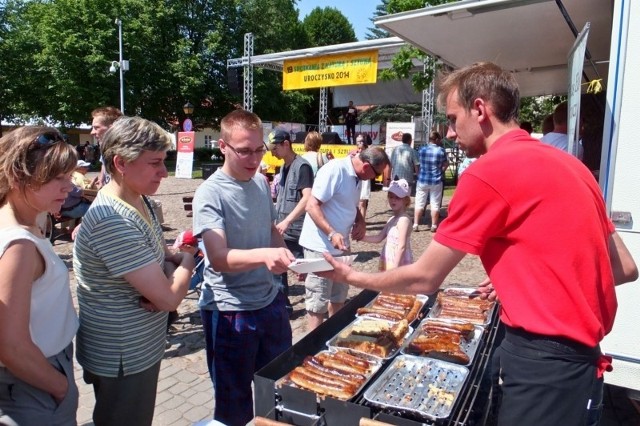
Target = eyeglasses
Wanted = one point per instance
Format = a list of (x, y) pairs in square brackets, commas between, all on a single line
[(48, 139), (246, 153), (378, 173)]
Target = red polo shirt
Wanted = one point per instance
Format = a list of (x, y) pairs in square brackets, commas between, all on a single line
[(536, 217)]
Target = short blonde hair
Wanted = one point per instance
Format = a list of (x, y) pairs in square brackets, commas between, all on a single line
[(239, 118), (128, 137), (32, 156)]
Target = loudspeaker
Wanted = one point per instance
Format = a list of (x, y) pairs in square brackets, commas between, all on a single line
[(331, 137), (235, 80), (300, 136)]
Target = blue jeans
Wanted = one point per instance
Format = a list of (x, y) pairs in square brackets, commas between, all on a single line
[(239, 343), (77, 211)]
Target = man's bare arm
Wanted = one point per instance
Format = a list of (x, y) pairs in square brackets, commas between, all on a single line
[(622, 263), (424, 276)]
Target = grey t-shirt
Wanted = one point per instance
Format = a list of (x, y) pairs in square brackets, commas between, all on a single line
[(245, 212)]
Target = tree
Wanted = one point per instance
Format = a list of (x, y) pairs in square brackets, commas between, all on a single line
[(177, 50), (328, 26), (387, 113), (534, 109), (276, 28), (19, 88), (402, 62), (375, 32)]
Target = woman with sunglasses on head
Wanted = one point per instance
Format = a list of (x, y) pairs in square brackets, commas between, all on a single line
[(37, 318), (128, 280)]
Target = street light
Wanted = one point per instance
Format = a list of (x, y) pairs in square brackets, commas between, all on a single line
[(188, 108), (122, 65)]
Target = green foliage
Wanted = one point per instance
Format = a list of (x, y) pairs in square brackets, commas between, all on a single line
[(177, 51), (276, 28), (203, 155), (375, 32), (386, 113), (325, 27), (534, 109), (397, 6), (402, 63), (55, 57)]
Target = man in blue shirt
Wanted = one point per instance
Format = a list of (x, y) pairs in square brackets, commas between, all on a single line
[(433, 163)]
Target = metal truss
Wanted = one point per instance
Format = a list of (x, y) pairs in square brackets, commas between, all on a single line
[(323, 114), (248, 72)]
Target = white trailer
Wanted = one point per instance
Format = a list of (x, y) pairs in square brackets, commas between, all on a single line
[(620, 180), (532, 38)]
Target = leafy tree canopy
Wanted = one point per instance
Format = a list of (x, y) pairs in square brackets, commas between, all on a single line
[(375, 32), (328, 26)]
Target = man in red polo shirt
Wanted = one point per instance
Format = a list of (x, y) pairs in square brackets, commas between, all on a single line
[(537, 219)]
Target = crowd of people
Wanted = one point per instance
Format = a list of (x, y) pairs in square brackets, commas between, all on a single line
[(130, 279)]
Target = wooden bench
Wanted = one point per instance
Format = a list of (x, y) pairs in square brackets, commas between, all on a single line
[(188, 205)]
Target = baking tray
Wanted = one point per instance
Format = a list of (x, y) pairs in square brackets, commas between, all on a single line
[(423, 386), (422, 298), (435, 310), (469, 347), (375, 363), (345, 333)]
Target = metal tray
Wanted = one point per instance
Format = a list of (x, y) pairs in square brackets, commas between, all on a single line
[(435, 310), (375, 362), (423, 386), (345, 333), (422, 298), (469, 347)]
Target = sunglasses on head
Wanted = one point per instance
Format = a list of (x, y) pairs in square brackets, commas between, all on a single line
[(48, 139)]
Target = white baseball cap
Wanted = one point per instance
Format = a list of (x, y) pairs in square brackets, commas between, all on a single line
[(399, 188), (82, 163)]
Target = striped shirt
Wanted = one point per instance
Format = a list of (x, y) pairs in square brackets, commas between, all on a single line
[(432, 158), (116, 239), (404, 160)]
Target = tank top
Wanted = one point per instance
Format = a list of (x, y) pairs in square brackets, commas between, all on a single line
[(53, 321)]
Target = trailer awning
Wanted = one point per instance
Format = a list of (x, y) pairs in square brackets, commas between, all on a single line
[(532, 38)]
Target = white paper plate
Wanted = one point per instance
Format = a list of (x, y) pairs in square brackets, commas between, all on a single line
[(304, 266)]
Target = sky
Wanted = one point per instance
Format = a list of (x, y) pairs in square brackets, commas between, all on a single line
[(358, 12)]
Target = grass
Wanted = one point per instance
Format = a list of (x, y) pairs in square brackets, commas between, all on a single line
[(196, 171)]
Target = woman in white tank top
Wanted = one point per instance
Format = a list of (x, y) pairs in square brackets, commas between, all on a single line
[(37, 318)]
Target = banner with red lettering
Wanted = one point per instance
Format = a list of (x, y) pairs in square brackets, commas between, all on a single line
[(185, 144)]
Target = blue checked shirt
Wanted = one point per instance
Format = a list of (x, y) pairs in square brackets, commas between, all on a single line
[(432, 157)]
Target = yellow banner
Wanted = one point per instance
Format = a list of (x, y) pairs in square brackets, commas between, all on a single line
[(330, 71), (338, 151)]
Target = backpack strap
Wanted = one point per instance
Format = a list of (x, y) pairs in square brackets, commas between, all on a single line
[(320, 160), (153, 213)]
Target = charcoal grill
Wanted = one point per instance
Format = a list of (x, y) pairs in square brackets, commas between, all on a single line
[(301, 407)]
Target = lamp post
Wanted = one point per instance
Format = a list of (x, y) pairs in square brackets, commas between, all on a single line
[(187, 124), (122, 65)]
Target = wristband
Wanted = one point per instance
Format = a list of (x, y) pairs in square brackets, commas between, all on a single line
[(331, 234)]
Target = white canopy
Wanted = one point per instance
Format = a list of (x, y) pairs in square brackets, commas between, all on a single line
[(532, 38)]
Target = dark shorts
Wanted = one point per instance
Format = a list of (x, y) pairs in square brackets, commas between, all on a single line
[(238, 344), (548, 381)]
